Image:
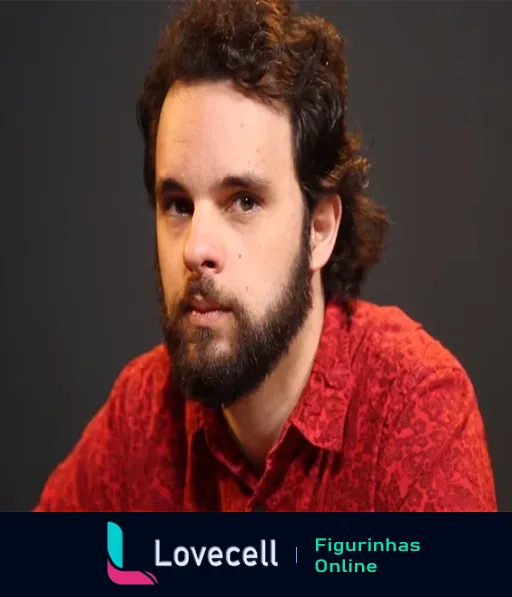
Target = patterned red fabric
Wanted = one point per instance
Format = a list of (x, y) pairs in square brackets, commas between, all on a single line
[(389, 421)]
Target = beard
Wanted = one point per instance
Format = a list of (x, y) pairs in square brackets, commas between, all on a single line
[(214, 377)]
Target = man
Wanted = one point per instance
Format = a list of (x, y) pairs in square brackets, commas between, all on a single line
[(277, 387)]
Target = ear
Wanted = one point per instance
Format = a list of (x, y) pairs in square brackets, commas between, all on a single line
[(325, 223)]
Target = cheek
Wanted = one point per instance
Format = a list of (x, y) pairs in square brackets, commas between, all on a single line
[(170, 269), (262, 274)]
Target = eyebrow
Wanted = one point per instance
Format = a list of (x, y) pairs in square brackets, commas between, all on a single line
[(247, 180)]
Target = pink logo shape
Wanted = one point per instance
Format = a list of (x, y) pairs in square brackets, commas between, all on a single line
[(129, 577)]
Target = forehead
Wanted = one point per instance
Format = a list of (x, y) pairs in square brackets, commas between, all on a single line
[(208, 129)]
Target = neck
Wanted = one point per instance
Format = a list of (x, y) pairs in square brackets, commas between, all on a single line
[(257, 420)]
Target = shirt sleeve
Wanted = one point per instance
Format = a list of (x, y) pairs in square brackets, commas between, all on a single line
[(91, 477), (434, 455)]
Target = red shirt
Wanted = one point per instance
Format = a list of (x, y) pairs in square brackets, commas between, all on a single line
[(388, 421)]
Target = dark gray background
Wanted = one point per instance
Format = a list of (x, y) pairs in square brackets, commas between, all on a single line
[(430, 90)]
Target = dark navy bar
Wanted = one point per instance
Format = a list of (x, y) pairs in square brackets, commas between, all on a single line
[(403, 553)]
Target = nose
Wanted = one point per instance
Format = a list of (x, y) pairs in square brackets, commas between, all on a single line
[(203, 252)]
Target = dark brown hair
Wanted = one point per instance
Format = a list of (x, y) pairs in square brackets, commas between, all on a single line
[(282, 60)]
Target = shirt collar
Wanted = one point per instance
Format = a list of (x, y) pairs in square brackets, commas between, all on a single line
[(320, 412)]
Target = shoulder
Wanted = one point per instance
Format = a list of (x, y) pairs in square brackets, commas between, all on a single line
[(406, 374), (94, 474), (397, 366), (385, 341), (152, 365), (140, 386)]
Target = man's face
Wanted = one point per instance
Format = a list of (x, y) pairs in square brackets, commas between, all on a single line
[(232, 258)]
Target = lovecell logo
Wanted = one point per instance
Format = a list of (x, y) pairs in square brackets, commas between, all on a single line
[(115, 570)]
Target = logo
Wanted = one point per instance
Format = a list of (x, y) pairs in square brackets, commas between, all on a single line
[(115, 570)]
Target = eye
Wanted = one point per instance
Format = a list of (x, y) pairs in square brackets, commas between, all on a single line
[(178, 206), (246, 203)]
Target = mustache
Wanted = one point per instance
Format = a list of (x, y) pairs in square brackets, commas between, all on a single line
[(207, 290)]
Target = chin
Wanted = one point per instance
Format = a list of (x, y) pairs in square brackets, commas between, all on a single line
[(222, 347), (215, 350)]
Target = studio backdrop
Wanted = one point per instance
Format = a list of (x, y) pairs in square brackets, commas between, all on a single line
[(430, 92)]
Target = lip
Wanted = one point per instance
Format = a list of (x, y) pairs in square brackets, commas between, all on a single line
[(206, 314), (204, 306)]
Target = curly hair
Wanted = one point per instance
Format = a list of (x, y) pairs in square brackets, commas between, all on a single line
[(281, 60)]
